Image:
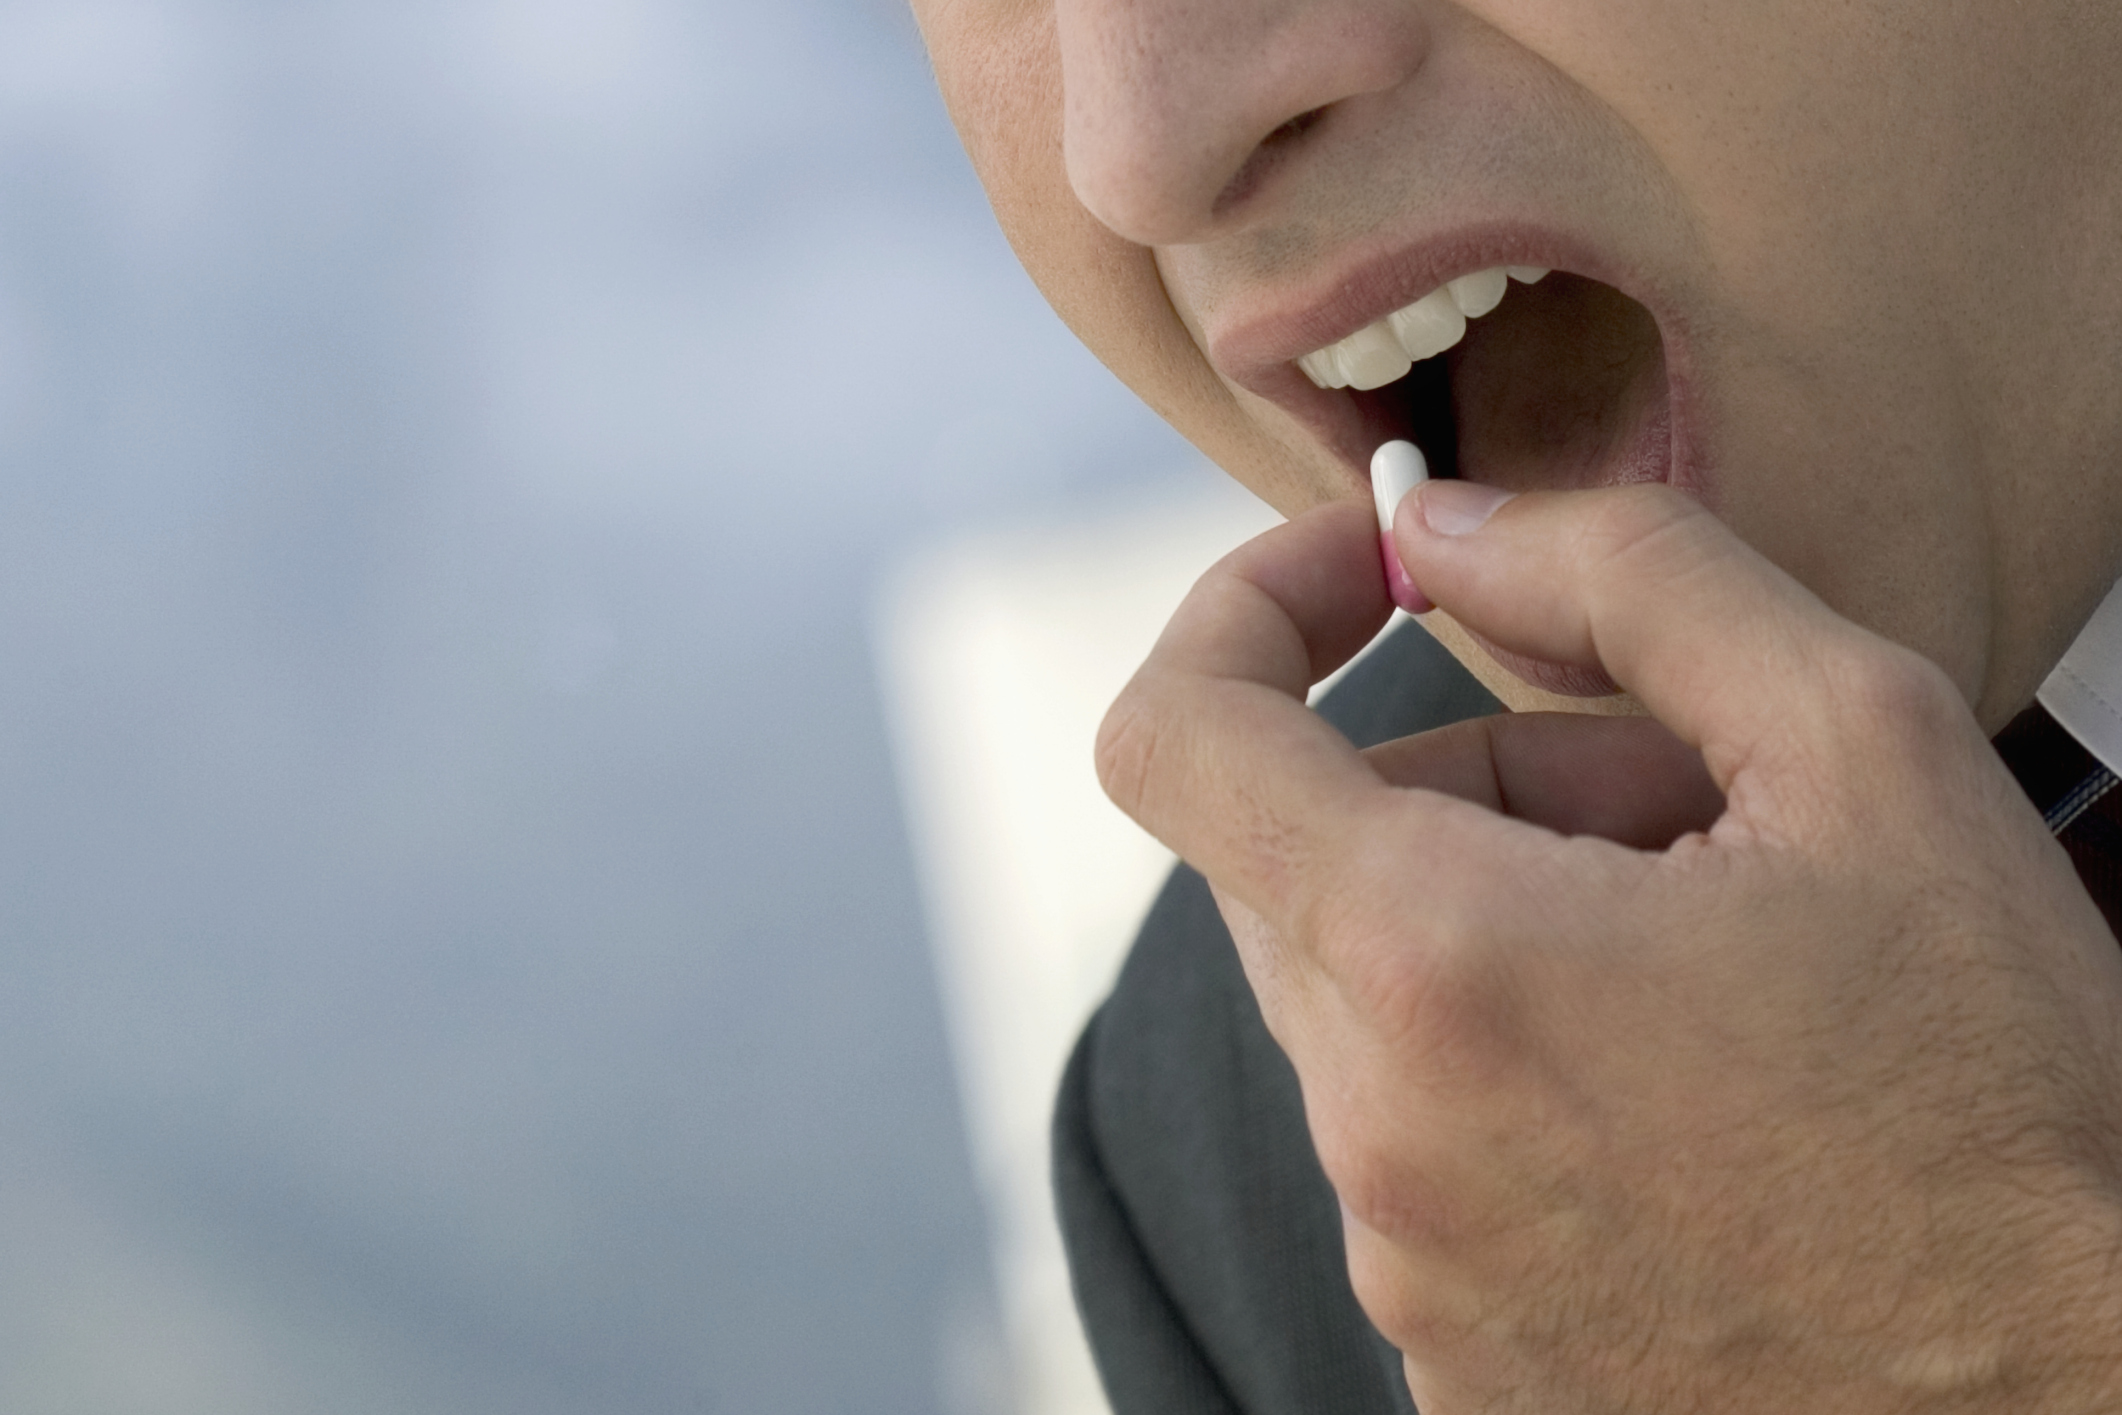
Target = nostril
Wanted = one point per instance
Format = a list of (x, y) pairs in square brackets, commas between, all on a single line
[(1294, 128), (1263, 159)]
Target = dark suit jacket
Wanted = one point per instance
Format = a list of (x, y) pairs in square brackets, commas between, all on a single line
[(1204, 1241)]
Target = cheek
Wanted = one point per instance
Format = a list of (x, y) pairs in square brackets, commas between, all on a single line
[(1865, 485), (1834, 421), (1000, 74), (1754, 112)]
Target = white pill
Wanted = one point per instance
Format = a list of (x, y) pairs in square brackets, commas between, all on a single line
[(1396, 469)]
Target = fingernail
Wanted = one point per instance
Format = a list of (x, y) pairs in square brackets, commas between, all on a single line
[(1458, 508), (1401, 585)]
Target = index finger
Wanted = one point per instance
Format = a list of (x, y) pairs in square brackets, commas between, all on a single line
[(1211, 747)]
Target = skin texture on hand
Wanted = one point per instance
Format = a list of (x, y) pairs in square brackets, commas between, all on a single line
[(1765, 1056)]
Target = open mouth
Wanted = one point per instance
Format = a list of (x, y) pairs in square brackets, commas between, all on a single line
[(1544, 381), (1554, 383)]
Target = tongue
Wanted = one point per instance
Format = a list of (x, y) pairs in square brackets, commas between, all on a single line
[(1562, 386)]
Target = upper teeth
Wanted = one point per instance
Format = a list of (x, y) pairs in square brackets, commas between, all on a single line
[(1382, 353)]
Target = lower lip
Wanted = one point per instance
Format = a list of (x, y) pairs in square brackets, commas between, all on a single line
[(1648, 455), (1564, 680)]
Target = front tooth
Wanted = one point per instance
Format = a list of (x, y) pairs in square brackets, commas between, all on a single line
[(1371, 357), (1383, 352), (1477, 294), (1430, 325), (1323, 368)]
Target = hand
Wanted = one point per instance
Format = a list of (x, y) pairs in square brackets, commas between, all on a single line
[(1765, 1056)]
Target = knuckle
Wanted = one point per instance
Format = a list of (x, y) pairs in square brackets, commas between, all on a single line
[(1402, 1311), (1888, 695), (1897, 685), (1360, 1173), (1876, 742), (1404, 987), (1644, 522), (1645, 535), (1127, 751), (1386, 1191), (1438, 997)]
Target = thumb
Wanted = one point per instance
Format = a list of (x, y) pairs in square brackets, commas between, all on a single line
[(1719, 644)]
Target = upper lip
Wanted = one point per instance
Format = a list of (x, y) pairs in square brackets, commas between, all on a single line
[(1255, 343)]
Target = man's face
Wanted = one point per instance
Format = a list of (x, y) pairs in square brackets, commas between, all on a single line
[(1846, 268)]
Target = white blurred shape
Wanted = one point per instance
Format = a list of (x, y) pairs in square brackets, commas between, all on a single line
[(1000, 654), (972, 1359)]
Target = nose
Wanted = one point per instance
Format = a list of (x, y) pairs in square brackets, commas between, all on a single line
[(1175, 108)]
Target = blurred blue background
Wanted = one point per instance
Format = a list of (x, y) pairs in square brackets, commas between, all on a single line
[(458, 947)]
